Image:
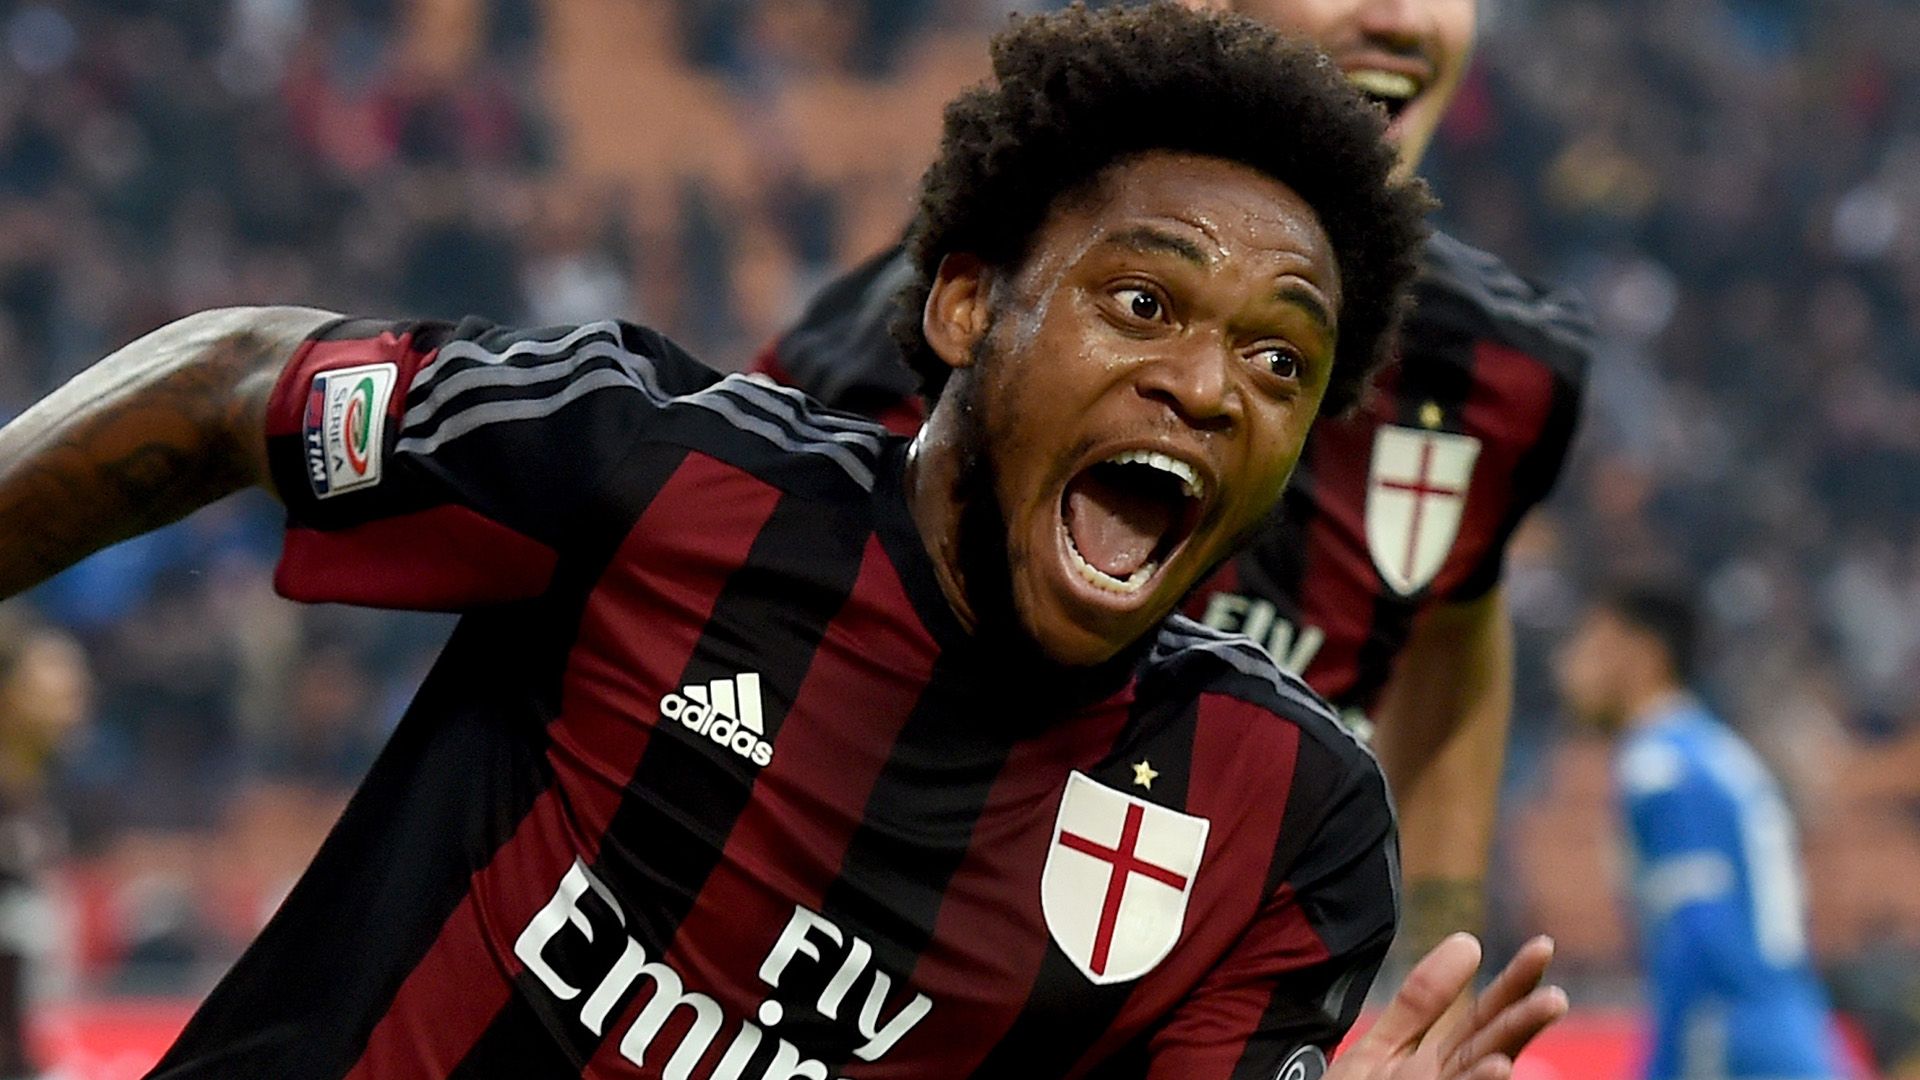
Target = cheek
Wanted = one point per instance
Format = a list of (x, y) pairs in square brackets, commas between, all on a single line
[(1455, 29)]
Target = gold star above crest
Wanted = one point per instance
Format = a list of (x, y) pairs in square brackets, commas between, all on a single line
[(1430, 415), (1144, 775)]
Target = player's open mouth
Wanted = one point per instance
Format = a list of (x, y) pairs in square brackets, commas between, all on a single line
[(1122, 519), (1391, 90)]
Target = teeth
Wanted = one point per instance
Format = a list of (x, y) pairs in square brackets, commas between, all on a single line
[(1190, 483), (1387, 84), (1101, 579)]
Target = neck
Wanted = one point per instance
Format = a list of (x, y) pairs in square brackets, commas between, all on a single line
[(1652, 701)]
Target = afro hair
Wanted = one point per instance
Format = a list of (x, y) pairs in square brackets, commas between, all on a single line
[(1078, 91)]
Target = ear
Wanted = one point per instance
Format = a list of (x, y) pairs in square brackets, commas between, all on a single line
[(958, 313)]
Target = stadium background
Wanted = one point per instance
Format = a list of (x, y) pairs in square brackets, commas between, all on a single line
[(1735, 184)]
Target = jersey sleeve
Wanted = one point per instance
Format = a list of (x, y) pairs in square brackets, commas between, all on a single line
[(1286, 995), (437, 466)]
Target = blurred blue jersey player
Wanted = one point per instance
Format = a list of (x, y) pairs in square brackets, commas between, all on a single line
[(1716, 869)]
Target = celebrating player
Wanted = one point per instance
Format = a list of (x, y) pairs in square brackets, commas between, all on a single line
[(1379, 578), (1717, 882), (774, 746)]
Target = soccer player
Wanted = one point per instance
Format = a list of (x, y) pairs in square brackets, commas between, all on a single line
[(1716, 881), (773, 746), (1379, 577)]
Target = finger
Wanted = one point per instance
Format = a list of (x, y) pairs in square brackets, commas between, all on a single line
[(1520, 977), (1430, 988), (1493, 1068), (1513, 1028)]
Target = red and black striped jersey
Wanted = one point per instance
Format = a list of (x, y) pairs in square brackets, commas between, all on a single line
[(1408, 502), (711, 783)]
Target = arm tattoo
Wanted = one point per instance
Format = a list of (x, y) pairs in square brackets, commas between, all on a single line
[(159, 429), (1437, 907)]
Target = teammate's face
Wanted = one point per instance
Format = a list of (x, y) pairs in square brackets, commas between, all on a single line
[(1590, 668), (1139, 390), (1408, 55)]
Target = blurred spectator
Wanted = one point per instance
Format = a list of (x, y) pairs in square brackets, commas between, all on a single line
[(44, 703)]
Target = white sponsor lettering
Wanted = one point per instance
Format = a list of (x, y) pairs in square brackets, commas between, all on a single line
[(1292, 647), (809, 941)]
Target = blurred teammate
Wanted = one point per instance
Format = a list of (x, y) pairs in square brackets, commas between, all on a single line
[(775, 747), (1716, 878), (44, 698), (1379, 577)]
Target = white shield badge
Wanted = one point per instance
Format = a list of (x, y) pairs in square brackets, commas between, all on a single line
[(1117, 879), (1416, 493)]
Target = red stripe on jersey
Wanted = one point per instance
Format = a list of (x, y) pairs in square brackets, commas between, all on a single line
[(609, 699), (1339, 585), (1238, 751), (1207, 1042), (979, 941), (287, 407), (401, 562), (787, 845), (1511, 402)]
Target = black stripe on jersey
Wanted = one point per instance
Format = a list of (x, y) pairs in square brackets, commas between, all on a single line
[(938, 775), (797, 576), (481, 714), (1064, 1015), (1337, 851)]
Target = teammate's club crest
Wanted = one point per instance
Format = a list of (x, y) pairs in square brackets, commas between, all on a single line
[(345, 427), (1117, 880), (1416, 496)]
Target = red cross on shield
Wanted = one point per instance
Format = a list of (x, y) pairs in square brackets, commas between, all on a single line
[(1117, 880), (1416, 496)]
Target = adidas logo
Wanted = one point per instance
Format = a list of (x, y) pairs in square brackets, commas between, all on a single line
[(726, 711)]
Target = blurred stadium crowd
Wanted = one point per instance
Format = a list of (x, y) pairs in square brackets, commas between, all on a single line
[(1735, 184)]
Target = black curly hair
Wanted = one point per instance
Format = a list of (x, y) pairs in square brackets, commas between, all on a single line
[(1078, 91)]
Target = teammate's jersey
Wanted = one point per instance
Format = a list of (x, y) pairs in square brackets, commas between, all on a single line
[(1407, 502), (1718, 889), (711, 783)]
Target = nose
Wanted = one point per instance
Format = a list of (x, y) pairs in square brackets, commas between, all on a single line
[(1196, 383), (1395, 25)]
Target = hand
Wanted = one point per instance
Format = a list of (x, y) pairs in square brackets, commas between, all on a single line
[(1432, 1031)]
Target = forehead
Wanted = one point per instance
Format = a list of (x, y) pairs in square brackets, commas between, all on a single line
[(1233, 214)]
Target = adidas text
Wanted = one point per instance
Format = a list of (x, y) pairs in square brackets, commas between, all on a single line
[(728, 711)]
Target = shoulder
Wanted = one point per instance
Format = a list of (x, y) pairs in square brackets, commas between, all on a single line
[(1465, 290), (475, 370), (1193, 660), (759, 422), (842, 349)]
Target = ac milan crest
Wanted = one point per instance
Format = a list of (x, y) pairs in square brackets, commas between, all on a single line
[(1117, 879), (1416, 495)]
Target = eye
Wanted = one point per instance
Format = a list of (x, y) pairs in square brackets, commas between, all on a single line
[(1282, 362), (1141, 304)]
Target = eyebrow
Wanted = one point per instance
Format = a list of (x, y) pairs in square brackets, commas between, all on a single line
[(1150, 241), (1304, 298)]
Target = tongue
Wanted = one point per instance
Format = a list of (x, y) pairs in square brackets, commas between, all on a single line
[(1115, 529)]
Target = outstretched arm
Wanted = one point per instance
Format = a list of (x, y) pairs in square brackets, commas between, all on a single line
[(1442, 738), (164, 426)]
